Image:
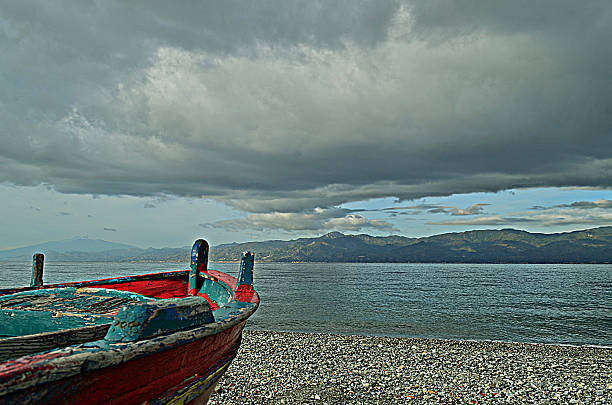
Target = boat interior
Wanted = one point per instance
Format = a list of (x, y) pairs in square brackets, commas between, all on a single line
[(40, 318)]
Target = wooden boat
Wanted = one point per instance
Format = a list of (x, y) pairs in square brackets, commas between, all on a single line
[(163, 338)]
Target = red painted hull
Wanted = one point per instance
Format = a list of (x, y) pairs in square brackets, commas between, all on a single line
[(146, 379), (174, 368)]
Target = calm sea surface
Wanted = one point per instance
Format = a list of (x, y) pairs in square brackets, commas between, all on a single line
[(568, 304)]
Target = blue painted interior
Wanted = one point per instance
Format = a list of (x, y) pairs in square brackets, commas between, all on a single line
[(54, 309), (217, 291)]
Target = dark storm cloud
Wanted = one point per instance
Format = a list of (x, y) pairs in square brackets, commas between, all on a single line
[(286, 106)]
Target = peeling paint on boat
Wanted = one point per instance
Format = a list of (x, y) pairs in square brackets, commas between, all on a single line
[(159, 345)]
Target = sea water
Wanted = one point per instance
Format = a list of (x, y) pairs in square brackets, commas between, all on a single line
[(561, 304)]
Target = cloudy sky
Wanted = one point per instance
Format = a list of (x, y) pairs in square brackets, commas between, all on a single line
[(155, 122)]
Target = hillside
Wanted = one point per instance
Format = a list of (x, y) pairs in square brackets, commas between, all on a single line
[(490, 246), (493, 246)]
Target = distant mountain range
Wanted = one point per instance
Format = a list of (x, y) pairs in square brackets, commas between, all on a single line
[(81, 245), (492, 246)]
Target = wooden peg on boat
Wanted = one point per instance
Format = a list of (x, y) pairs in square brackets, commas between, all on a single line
[(38, 262), (199, 263), (246, 269)]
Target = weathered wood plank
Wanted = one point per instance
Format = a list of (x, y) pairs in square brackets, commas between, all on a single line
[(143, 320), (54, 309), (13, 347)]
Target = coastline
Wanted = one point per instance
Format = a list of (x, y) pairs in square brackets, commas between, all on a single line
[(291, 368)]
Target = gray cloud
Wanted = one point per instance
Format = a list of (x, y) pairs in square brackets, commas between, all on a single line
[(582, 205), (280, 107), (474, 209), (488, 220), (149, 205), (543, 220), (576, 213), (110, 229), (605, 204), (315, 220)]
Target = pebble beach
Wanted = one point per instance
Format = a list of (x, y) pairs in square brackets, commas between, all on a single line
[(298, 368)]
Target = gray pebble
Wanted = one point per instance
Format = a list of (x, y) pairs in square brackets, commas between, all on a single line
[(296, 368)]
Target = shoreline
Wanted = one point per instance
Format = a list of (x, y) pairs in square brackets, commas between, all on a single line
[(291, 367), (382, 335)]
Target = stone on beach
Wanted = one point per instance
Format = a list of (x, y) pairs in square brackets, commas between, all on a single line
[(295, 368)]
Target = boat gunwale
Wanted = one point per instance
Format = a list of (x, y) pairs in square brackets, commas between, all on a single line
[(224, 280), (116, 280)]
